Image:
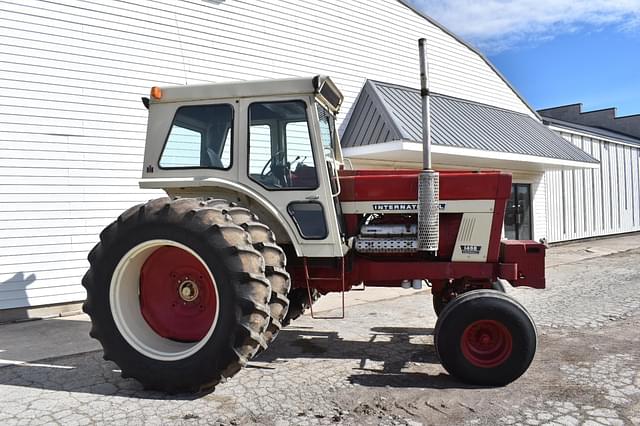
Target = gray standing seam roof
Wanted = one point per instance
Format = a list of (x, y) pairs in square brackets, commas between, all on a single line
[(595, 131), (386, 112)]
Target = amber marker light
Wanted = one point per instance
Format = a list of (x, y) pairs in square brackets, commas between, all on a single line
[(156, 93)]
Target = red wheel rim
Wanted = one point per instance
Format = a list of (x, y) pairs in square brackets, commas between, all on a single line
[(486, 343), (177, 295)]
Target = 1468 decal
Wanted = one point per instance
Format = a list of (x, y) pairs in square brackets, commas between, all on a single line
[(470, 249)]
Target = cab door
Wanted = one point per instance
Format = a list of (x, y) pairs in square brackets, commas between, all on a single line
[(285, 163)]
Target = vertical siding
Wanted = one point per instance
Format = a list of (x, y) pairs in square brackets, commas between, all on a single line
[(539, 195), (604, 201), (72, 126), (578, 199)]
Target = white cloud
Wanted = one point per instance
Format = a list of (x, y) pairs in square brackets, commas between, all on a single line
[(496, 25)]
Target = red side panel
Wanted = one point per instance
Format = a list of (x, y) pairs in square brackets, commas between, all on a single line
[(503, 191), (496, 230), (402, 185), (388, 272), (529, 258), (379, 187)]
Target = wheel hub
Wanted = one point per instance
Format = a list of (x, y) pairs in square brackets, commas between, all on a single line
[(188, 290), (485, 339), (177, 295), (486, 343)]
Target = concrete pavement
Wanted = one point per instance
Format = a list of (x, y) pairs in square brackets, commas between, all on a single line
[(575, 251)]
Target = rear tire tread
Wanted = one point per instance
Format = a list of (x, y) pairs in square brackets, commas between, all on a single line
[(264, 241), (244, 262)]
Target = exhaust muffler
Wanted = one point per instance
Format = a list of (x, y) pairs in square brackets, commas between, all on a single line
[(429, 179)]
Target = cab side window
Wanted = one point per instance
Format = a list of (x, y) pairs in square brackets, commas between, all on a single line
[(200, 137), (280, 150)]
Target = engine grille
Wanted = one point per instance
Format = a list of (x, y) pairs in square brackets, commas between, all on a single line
[(386, 245)]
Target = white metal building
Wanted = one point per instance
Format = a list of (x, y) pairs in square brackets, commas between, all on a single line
[(587, 203), (72, 126)]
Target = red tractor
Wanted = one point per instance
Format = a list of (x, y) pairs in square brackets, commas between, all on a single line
[(262, 217)]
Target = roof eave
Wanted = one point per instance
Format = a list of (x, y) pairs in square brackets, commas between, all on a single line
[(590, 132), (405, 151)]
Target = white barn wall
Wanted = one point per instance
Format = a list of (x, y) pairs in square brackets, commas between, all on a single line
[(588, 203), (72, 126)]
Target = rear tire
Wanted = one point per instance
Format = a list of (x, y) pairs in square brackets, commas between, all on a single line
[(264, 241), (485, 338), (177, 295)]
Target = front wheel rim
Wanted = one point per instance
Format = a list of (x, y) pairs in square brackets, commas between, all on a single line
[(486, 343), (140, 302)]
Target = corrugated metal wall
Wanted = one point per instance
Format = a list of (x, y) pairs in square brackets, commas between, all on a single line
[(72, 125), (595, 202)]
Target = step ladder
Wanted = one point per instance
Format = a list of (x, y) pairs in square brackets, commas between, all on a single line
[(309, 279)]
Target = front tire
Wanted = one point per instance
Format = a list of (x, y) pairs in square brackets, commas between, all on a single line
[(439, 301), (177, 295), (486, 338)]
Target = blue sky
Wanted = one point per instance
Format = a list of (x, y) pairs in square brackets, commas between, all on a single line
[(555, 52)]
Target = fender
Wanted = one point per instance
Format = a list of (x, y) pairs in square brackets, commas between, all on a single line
[(232, 191)]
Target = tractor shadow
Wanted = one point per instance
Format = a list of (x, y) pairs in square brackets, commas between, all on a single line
[(398, 349), (390, 357)]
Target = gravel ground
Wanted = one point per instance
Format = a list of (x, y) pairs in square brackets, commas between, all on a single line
[(378, 366)]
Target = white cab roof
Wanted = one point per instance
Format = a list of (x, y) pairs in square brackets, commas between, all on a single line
[(242, 89)]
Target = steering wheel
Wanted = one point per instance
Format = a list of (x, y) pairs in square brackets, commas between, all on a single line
[(281, 173), (269, 161)]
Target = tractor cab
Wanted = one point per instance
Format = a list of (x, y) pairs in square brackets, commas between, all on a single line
[(272, 144)]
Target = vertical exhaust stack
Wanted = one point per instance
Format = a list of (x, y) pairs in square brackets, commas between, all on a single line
[(429, 180)]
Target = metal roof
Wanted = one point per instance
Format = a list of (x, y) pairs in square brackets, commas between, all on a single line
[(386, 112), (605, 118), (596, 131)]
